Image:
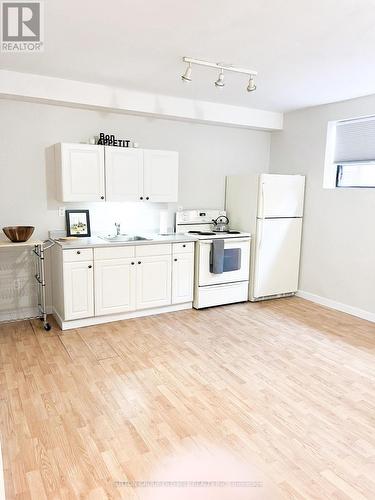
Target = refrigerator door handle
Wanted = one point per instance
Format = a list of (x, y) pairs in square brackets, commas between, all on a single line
[(262, 190), (260, 236)]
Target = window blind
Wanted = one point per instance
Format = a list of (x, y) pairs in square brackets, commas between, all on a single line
[(355, 140)]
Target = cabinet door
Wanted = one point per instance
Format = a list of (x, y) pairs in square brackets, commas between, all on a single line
[(114, 286), (78, 290), (182, 278), (124, 174), (82, 172), (153, 281), (160, 175)]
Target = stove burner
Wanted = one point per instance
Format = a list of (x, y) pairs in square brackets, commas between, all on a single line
[(229, 231), (204, 233)]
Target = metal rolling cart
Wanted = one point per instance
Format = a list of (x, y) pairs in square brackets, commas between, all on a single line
[(38, 249), (40, 276)]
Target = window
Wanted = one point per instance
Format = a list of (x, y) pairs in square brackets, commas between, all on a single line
[(357, 175), (350, 154)]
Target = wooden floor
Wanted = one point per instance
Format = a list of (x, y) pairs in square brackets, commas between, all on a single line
[(280, 393)]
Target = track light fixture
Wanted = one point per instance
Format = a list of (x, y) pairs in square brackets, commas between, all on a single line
[(220, 80), (186, 77)]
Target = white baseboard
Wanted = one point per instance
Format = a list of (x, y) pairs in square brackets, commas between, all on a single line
[(354, 311), (98, 320)]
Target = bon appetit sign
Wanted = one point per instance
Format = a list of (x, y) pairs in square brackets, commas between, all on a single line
[(110, 140)]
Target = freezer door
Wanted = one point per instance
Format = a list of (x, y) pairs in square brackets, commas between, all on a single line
[(280, 195), (276, 265)]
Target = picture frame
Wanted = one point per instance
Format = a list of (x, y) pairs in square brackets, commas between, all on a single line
[(78, 223)]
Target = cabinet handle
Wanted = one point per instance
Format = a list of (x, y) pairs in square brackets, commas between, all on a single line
[(141, 197), (183, 246), (175, 260), (78, 252), (90, 266), (139, 262), (147, 198), (132, 263), (102, 197)]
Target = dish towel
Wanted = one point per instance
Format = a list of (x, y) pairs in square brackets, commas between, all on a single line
[(217, 257)]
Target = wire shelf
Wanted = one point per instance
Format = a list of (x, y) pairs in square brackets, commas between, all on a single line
[(21, 287)]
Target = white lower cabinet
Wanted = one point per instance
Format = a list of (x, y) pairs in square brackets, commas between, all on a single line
[(154, 281), (115, 286), (78, 290), (182, 278), (121, 279)]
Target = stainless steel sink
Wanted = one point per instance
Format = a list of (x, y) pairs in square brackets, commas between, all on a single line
[(124, 238)]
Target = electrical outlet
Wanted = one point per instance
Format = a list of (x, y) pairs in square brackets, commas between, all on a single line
[(61, 211)]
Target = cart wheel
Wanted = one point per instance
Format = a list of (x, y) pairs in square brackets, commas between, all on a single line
[(47, 327)]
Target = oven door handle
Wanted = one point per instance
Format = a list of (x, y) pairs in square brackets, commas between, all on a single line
[(227, 240)]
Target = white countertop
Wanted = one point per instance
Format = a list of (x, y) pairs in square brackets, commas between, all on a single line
[(96, 242)]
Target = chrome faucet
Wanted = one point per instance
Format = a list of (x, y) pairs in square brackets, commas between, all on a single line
[(118, 228)]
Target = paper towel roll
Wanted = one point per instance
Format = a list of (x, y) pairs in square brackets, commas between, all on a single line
[(163, 222)]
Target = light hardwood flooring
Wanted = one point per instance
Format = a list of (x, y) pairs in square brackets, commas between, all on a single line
[(280, 392)]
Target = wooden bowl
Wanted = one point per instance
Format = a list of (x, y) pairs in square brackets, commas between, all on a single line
[(18, 234)]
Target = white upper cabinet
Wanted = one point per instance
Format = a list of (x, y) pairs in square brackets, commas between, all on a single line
[(160, 175), (80, 172), (124, 174), (88, 172)]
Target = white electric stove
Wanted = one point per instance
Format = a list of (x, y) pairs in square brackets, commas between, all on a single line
[(210, 288)]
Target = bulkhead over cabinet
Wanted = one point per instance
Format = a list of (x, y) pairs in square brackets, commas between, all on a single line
[(94, 173)]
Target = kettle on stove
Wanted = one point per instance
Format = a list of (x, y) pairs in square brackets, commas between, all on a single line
[(221, 224)]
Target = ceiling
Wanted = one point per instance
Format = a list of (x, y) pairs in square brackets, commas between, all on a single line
[(306, 53)]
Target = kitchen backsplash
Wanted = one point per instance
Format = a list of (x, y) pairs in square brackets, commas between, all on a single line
[(133, 217)]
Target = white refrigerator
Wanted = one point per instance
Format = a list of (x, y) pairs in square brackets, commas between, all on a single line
[(270, 206)]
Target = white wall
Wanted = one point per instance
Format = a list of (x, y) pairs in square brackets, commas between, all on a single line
[(207, 154), (338, 250)]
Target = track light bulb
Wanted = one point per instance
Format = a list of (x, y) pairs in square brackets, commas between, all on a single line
[(251, 86), (220, 79), (186, 77)]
